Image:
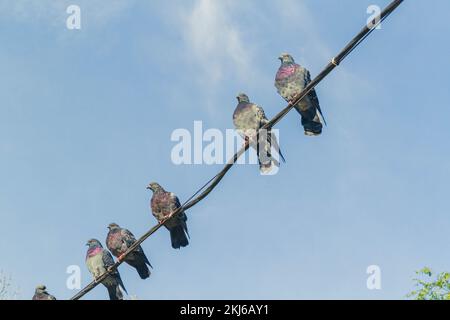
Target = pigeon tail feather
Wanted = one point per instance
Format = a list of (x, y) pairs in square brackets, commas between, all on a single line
[(319, 111), (115, 293), (143, 271), (178, 237), (266, 167)]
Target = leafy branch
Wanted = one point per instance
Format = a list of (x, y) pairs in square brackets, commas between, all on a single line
[(429, 288)]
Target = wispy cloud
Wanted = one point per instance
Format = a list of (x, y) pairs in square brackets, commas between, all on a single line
[(215, 40)]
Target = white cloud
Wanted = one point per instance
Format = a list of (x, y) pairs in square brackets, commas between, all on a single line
[(215, 40)]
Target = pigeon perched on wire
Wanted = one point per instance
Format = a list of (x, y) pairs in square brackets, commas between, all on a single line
[(163, 204), (118, 241), (42, 294), (290, 80), (98, 261), (248, 118)]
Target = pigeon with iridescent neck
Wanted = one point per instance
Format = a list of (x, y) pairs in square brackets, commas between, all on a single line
[(98, 261), (119, 241), (163, 204), (42, 294), (248, 118), (290, 80)]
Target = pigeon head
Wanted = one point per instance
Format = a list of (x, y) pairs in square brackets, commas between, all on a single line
[(113, 226), (41, 289), (93, 243), (286, 58), (242, 97), (155, 187)]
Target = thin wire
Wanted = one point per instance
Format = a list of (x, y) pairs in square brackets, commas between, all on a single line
[(208, 187), (201, 188)]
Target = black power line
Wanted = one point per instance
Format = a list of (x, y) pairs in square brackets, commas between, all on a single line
[(204, 191)]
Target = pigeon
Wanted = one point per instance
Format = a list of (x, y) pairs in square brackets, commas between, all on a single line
[(118, 241), (98, 260), (163, 204), (248, 118), (42, 294), (290, 80)]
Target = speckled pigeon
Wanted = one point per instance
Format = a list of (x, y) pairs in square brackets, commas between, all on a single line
[(42, 294), (248, 118), (163, 204), (291, 79), (98, 260), (118, 241)]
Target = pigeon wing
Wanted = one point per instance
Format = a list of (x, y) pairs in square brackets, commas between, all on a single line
[(313, 95), (107, 258), (181, 216), (263, 121), (127, 237)]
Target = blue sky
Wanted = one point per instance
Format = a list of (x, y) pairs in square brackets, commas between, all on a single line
[(86, 118)]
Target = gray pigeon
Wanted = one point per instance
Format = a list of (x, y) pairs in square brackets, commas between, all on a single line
[(248, 118), (118, 241), (42, 294), (98, 260), (163, 204), (290, 80)]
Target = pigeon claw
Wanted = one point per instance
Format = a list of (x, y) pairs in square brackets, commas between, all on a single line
[(121, 258)]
